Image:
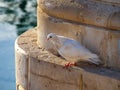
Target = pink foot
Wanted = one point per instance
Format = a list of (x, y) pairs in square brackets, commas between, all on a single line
[(69, 64)]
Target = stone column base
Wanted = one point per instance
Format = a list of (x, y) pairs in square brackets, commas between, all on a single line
[(37, 69)]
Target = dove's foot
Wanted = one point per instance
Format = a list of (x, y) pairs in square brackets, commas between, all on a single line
[(69, 64)]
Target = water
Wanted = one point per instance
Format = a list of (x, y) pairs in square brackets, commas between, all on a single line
[(7, 65), (16, 16)]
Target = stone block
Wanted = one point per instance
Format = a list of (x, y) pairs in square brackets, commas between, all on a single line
[(100, 82), (101, 13), (49, 76), (21, 60)]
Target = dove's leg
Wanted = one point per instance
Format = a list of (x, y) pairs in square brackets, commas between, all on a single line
[(69, 64)]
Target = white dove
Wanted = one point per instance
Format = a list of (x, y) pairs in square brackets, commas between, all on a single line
[(72, 50)]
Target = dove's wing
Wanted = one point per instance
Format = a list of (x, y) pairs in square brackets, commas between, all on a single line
[(73, 51)]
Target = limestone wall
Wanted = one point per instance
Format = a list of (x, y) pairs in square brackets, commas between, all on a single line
[(37, 69), (93, 23)]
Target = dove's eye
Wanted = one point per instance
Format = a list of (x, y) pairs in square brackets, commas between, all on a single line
[(50, 37)]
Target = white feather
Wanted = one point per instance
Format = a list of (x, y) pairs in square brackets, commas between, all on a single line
[(72, 50)]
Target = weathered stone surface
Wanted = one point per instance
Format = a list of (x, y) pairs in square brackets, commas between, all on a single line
[(99, 82), (45, 71), (19, 87), (104, 42), (112, 2), (21, 73), (52, 76), (90, 12)]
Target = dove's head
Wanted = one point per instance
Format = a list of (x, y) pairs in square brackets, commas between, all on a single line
[(51, 36)]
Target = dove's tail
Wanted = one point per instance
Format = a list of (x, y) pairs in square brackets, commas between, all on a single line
[(95, 59)]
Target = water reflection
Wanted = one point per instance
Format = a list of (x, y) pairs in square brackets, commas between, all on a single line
[(21, 13), (16, 16)]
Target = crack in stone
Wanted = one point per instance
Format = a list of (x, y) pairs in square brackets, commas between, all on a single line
[(44, 76)]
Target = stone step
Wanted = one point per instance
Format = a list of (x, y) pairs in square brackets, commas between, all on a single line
[(104, 42), (37, 69), (102, 13)]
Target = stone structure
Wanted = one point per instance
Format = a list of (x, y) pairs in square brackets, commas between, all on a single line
[(94, 23), (37, 69)]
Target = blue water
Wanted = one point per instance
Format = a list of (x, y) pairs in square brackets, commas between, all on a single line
[(16, 16), (7, 61)]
